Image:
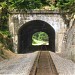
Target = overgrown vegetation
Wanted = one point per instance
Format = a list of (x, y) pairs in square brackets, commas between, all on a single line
[(34, 4), (40, 38), (5, 41), (6, 5), (5, 45)]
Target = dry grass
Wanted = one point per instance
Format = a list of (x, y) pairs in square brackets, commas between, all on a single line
[(5, 53)]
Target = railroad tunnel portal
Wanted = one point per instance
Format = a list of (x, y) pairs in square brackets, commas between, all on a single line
[(28, 29), (23, 24)]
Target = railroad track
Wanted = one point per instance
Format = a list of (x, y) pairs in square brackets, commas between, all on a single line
[(43, 65)]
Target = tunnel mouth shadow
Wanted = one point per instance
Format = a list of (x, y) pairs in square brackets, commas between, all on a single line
[(38, 48), (25, 36)]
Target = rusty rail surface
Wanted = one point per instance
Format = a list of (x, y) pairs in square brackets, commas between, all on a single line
[(43, 65)]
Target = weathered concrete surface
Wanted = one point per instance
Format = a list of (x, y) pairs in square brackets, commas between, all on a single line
[(54, 18), (63, 66), (20, 65), (68, 45)]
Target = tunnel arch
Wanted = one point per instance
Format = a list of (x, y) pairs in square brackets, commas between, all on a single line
[(28, 29)]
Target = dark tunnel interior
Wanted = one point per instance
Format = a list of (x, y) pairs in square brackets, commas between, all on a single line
[(25, 36)]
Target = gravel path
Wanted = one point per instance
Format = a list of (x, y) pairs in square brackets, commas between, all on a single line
[(63, 66), (20, 65)]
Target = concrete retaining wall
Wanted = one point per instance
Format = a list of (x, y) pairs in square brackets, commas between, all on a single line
[(68, 49)]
